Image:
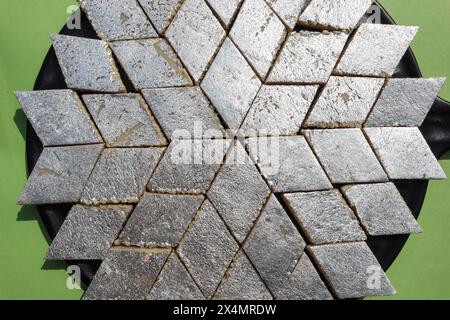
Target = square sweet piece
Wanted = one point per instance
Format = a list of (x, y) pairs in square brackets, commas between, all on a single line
[(120, 175), (346, 156), (60, 175), (88, 232), (195, 34), (334, 14), (225, 9), (381, 209), (352, 270), (151, 63), (288, 164), (126, 274), (404, 153), (58, 117), (160, 220), (207, 249), (161, 12), (278, 110), (308, 57), (324, 217), (124, 120), (259, 34), (231, 85), (375, 50), (344, 102), (87, 64), (405, 102), (288, 10), (118, 19)]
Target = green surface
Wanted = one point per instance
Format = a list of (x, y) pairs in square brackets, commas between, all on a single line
[(421, 271)]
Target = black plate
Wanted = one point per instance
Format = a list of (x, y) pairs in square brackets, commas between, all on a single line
[(436, 130)]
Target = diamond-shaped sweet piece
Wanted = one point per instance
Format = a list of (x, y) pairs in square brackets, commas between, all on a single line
[(241, 282), (352, 270), (259, 33), (58, 117), (175, 283), (376, 50), (88, 232), (126, 274), (344, 102), (225, 9), (405, 102), (288, 10), (334, 15), (238, 192), (124, 120), (195, 35), (346, 156), (278, 110), (87, 64), (381, 209), (288, 164), (189, 166), (151, 63), (160, 12), (324, 217), (60, 175), (118, 19), (160, 220), (308, 57), (231, 85), (404, 153), (207, 249), (184, 111), (120, 175)]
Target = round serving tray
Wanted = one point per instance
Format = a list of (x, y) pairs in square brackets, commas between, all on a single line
[(436, 130)]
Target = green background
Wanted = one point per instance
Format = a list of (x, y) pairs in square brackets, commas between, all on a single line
[(421, 272)]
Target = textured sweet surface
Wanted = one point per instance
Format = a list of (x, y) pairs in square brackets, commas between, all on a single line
[(160, 12), (288, 10), (225, 9)]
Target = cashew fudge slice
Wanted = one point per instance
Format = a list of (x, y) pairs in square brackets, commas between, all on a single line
[(308, 57), (238, 192), (352, 270), (344, 102), (346, 156), (404, 153), (124, 120), (275, 247), (189, 166), (288, 10), (60, 175), (87, 64), (259, 34), (324, 217), (241, 282), (58, 117), (118, 19), (184, 112), (376, 50), (207, 249), (120, 175), (225, 9), (231, 85), (88, 232), (381, 209), (335, 14), (405, 102), (160, 12), (175, 283), (288, 164), (126, 274), (160, 220), (151, 63), (278, 110), (195, 34)]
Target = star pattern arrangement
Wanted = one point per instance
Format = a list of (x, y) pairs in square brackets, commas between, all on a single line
[(245, 226)]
